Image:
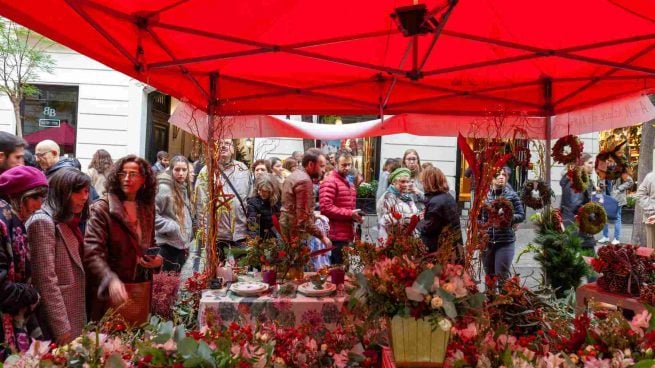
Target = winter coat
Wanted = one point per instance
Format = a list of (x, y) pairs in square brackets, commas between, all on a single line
[(17, 294), (260, 217), (392, 210), (505, 235), (168, 229), (58, 274), (98, 181), (112, 247), (617, 188), (646, 195), (297, 220), (572, 201), (441, 210), (232, 223), (337, 201)]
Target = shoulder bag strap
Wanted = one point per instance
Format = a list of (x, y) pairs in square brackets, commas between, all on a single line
[(236, 193)]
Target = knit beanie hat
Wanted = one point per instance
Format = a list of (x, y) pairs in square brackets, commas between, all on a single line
[(20, 179), (402, 171)]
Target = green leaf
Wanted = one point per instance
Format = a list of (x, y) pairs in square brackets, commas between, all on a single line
[(477, 300), (194, 362), (446, 296), (648, 363), (115, 361), (651, 310), (164, 332), (187, 347), (179, 334), (423, 283), (449, 308), (204, 351)]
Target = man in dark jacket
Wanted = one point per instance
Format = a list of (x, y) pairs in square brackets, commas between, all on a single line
[(337, 198), (498, 256)]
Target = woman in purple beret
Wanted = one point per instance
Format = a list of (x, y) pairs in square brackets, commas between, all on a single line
[(22, 191)]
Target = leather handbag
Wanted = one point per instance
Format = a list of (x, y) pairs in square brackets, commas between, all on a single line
[(136, 310)]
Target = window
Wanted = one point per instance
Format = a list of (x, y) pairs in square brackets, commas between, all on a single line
[(51, 114)]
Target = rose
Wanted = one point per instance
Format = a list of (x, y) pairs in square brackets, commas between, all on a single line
[(448, 287), (445, 324), (436, 302)]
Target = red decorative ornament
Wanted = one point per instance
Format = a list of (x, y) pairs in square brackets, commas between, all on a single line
[(567, 150)]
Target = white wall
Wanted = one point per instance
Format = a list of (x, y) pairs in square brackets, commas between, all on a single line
[(111, 106), (439, 151), (277, 147)]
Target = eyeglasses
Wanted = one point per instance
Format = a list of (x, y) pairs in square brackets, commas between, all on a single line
[(41, 154), (411, 159), (129, 175)]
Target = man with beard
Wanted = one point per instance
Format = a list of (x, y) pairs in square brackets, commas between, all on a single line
[(297, 220), (235, 177), (12, 151), (337, 202)]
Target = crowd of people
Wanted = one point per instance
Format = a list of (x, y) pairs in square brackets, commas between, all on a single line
[(75, 242)]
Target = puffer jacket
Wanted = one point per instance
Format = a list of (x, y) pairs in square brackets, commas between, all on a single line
[(571, 200), (168, 229), (336, 197), (505, 235)]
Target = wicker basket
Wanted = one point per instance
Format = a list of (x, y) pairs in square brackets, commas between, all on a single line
[(416, 344)]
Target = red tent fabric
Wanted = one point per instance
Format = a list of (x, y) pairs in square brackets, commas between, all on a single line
[(64, 135), (348, 57)]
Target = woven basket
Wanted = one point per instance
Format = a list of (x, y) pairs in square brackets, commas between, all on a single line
[(416, 344)]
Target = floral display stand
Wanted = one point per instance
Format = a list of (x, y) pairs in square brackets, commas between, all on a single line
[(591, 291), (415, 343)]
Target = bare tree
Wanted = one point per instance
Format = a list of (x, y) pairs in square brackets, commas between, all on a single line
[(645, 166), (22, 57)]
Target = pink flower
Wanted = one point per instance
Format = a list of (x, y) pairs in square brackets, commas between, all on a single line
[(640, 322), (506, 341), (341, 359), (467, 333), (595, 363)]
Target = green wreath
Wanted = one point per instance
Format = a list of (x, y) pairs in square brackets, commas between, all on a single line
[(579, 179), (573, 143), (614, 172), (536, 194), (501, 213), (591, 218)]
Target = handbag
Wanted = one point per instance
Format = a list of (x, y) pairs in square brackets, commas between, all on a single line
[(136, 309), (610, 205)]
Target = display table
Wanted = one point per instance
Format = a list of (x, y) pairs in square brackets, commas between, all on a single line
[(219, 306), (591, 291)]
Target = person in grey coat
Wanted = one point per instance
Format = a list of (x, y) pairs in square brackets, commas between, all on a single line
[(173, 222), (646, 199), (617, 189)]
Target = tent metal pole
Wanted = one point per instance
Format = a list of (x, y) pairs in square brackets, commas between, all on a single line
[(549, 110)]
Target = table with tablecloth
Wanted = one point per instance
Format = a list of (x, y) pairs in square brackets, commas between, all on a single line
[(222, 306)]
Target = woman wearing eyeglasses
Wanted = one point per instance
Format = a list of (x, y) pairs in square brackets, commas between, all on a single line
[(412, 162), (23, 189), (119, 231)]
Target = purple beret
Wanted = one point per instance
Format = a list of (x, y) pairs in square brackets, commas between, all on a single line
[(20, 179)]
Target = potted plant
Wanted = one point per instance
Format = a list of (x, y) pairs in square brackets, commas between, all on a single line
[(628, 212), (421, 295), (366, 196), (287, 259)]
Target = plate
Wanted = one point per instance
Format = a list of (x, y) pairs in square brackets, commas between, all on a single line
[(247, 288), (309, 289)]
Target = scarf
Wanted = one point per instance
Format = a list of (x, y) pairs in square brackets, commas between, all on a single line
[(405, 197)]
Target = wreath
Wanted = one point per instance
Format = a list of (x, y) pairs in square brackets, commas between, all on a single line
[(579, 179), (536, 194), (591, 218), (613, 172), (522, 157), (570, 143), (500, 212)]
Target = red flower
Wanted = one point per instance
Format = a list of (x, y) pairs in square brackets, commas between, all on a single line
[(281, 254), (397, 215)]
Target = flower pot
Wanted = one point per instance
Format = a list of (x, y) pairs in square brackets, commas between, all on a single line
[(415, 344), (366, 204)]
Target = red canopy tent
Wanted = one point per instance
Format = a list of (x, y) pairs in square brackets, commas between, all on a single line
[(349, 57), (64, 135)]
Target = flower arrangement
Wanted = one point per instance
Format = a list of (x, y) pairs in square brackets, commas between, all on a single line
[(567, 149), (579, 179), (591, 218), (274, 253), (165, 286), (367, 189), (536, 194)]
